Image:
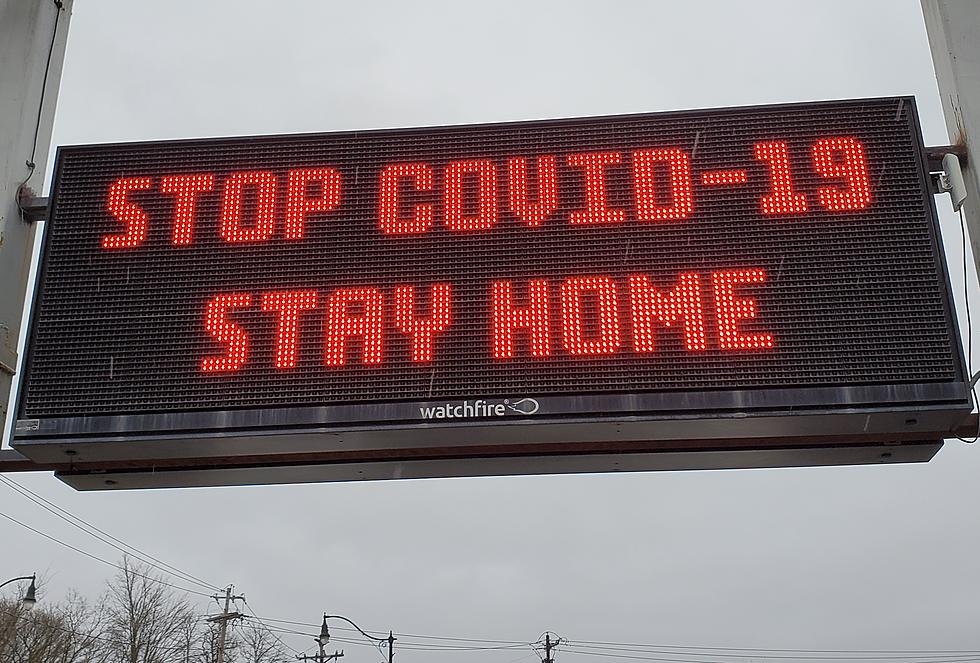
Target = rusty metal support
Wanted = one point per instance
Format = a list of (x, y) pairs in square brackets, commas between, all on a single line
[(935, 156), (34, 208)]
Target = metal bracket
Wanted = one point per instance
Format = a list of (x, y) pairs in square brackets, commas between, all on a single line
[(935, 156), (33, 208)]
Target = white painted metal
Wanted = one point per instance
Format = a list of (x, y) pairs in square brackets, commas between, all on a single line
[(28, 46), (952, 181), (954, 38)]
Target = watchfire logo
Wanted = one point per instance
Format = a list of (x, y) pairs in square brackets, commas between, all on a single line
[(480, 408)]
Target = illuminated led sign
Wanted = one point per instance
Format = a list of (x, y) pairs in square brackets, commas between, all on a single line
[(698, 265)]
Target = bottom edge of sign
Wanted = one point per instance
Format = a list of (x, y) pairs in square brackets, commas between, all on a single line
[(906, 452)]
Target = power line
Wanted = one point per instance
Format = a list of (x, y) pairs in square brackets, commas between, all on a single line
[(808, 657), (405, 646), (100, 559), (418, 646), (754, 651), (674, 656), (605, 649), (280, 629), (251, 614), (607, 654), (412, 646), (241, 631), (516, 643), (85, 526), (671, 653)]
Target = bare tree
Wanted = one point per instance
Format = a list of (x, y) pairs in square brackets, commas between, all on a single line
[(64, 633), (55, 633), (9, 616), (145, 619), (139, 619), (35, 636), (189, 634), (207, 651), (81, 627), (259, 645)]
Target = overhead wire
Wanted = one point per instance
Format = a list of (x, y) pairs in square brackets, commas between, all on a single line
[(634, 651), (100, 559), (571, 647), (103, 536), (284, 644), (674, 653), (630, 651), (522, 658), (286, 631), (407, 635), (266, 626), (419, 646), (607, 654), (872, 656), (755, 651), (402, 643), (80, 523)]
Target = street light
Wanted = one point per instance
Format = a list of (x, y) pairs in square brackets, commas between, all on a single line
[(324, 637), (322, 641), (30, 598), (389, 641)]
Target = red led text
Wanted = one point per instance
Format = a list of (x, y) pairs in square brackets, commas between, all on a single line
[(478, 195), (585, 313), (307, 192)]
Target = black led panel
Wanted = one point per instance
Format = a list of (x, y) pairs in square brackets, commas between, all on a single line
[(809, 229)]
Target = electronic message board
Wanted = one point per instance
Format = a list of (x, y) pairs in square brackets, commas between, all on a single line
[(755, 273)]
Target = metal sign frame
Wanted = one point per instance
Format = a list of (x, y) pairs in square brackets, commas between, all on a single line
[(591, 432)]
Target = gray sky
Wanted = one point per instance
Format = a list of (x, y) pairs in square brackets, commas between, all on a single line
[(878, 557)]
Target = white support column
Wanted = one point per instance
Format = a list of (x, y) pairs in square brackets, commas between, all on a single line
[(33, 35), (954, 38)]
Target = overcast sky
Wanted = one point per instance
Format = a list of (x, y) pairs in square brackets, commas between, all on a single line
[(879, 557)]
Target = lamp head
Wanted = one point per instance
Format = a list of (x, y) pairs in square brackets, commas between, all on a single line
[(30, 598), (324, 633)]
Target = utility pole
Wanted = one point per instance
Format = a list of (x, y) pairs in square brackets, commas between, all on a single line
[(391, 646), (223, 619), (33, 36), (548, 647)]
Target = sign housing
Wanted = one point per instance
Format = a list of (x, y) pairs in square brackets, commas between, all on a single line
[(441, 300)]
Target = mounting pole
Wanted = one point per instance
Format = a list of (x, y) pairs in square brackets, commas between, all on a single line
[(953, 27), (33, 36)]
